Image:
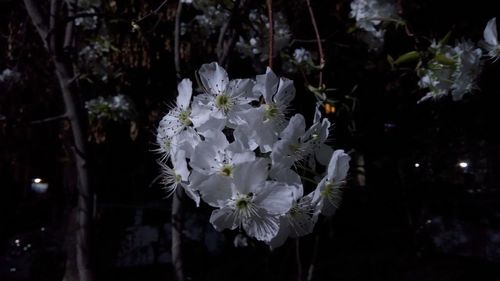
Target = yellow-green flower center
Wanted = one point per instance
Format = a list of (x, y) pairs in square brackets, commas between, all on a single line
[(271, 111), (242, 202), (328, 191), (223, 102), (184, 117), (226, 170)]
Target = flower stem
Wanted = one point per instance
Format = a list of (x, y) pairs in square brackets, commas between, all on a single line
[(271, 31)]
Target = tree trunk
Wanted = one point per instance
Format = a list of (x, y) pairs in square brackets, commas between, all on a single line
[(56, 43)]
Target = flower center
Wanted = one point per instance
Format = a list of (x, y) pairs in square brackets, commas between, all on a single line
[(271, 111), (184, 117), (226, 170), (332, 191), (223, 102), (177, 178), (243, 202)]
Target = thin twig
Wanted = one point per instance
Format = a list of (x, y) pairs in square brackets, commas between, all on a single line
[(224, 48), (177, 31), (177, 235), (50, 119), (154, 12), (310, 272), (297, 258), (318, 39), (271, 31)]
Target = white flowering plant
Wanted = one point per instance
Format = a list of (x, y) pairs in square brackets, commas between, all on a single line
[(234, 147)]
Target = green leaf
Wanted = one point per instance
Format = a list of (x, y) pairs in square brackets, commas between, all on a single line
[(407, 57), (442, 59), (445, 39)]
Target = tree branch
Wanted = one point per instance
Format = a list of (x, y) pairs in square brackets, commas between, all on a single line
[(68, 34), (318, 40), (177, 31), (38, 19)]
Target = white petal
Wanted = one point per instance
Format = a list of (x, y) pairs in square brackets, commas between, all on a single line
[(275, 197), (185, 89), (338, 166), (214, 78), (490, 32), (241, 91), (290, 177), (295, 129), (206, 158), (191, 193), (323, 154), (224, 219), (267, 85), (262, 226), (282, 235), (216, 190), (180, 164), (250, 176), (286, 92)]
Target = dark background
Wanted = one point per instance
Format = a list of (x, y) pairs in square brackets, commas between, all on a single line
[(435, 222)]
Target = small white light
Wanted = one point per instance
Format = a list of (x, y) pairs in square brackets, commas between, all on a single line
[(463, 164), (417, 165), (39, 186), (42, 229), (13, 269), (17, 241)]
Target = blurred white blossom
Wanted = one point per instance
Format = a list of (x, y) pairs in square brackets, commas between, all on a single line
[(453, 70), (369, 16)]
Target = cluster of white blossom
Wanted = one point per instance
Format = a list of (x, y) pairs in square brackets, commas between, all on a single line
[(255, 40), (300, 59), (116, 108), (9, 75), (213, 16), (88, 20), (94, 58), (369, 16), (234, 147), (452, 70)]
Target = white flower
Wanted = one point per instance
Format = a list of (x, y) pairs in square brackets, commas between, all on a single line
[(178, 175), (469, 67), (316, 136), (291, 148), (266, 122), (300, 219), (223, 100), (490, 43), (9, 75), (302, 56), (328, 193), (179, 117), (256, 204), (215, 160)]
